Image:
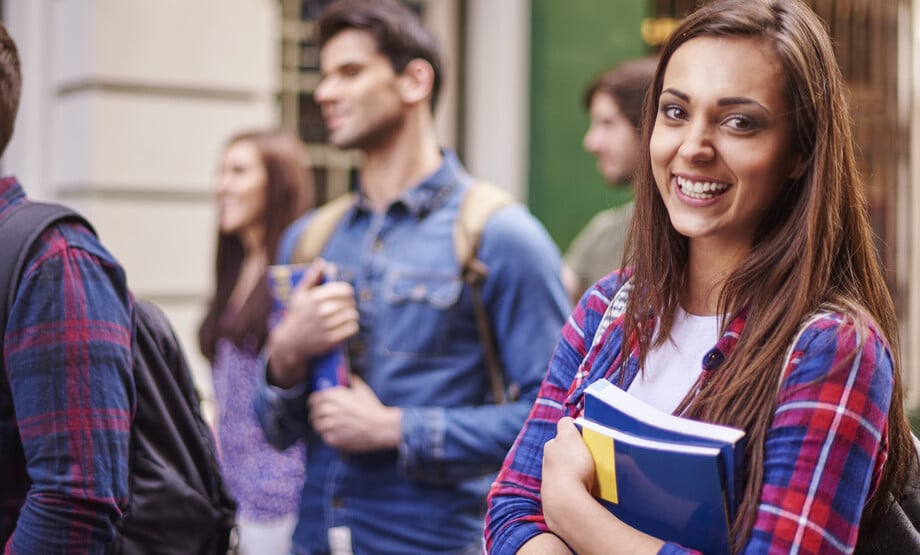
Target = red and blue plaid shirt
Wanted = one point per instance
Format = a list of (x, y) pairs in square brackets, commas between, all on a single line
[(66, 396), (824, 451)]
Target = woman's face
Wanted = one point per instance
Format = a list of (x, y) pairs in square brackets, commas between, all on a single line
[(241, 189), (721, 148)]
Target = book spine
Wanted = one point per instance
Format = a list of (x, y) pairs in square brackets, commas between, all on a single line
[(330, 369)]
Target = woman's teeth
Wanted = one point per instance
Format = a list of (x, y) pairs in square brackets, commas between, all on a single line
[(701, 189)]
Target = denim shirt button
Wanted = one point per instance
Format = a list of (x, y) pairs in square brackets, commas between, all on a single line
[(366, 295)]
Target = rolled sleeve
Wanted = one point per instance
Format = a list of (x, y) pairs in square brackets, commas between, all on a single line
[(282, 413), (423, 431)]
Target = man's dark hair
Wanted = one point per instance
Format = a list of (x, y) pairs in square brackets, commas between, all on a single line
[(10, 86), (627, 84), (396, 29)]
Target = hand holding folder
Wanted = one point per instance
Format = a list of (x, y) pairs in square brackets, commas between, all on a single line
[(326, 370), (673, 478)]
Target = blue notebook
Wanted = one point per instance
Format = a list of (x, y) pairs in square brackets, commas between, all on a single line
[(673, 478), (607, 404), (671, 491)]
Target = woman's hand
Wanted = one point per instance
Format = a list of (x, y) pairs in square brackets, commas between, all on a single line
[(570, 509), (568, 476)]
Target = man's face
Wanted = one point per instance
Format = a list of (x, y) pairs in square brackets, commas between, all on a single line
[(612, 139), (359, 93)]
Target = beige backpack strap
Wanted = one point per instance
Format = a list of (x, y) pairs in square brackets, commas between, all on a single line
[(318, 231), (481, 200)]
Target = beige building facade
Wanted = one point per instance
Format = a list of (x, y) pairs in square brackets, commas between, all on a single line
[(126, 104)]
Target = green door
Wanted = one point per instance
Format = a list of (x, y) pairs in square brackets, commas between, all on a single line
[(573, 41)]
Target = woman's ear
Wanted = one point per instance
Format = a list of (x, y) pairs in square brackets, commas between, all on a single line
[(416, 81)]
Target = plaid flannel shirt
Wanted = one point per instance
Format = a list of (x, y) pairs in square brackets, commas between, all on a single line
[(68, 361), (824, 451)]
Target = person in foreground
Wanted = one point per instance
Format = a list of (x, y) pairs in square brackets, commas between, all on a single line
[(401, 459), (750, 240), (614, 102), (67, 390), (263, 184)]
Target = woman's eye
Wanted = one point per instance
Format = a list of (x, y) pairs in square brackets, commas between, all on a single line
[(672, 111), (741, 123)]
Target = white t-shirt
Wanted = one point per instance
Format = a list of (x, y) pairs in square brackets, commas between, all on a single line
[(673, 367)]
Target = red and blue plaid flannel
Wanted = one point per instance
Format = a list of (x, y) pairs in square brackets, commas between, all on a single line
[(67, 396), (824, 451)]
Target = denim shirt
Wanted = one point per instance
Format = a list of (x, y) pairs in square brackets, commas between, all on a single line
[(418, 348)]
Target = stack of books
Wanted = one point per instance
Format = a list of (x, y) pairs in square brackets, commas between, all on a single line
[(673, 478)]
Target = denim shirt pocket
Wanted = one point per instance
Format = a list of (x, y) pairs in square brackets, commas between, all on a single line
[(418, 310)]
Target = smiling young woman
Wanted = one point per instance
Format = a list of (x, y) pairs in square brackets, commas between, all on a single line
[(263, 183), (750, 226)]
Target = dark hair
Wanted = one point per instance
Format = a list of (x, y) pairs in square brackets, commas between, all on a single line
[(397, 31), (10, 86), (289, 192), (627, 84), (814, 247)]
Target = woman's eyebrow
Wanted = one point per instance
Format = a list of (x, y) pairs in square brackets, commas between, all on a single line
[(728, 101), (683, 96), (735, 100)]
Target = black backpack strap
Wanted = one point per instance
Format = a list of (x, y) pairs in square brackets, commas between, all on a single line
[(20, 227)]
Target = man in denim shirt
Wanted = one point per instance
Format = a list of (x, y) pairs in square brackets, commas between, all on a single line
[(401, 460)]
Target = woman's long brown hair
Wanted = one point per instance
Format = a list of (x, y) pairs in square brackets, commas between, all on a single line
[(815, 246), (289, 192)]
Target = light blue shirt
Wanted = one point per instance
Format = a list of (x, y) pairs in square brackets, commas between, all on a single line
[(418, 348)]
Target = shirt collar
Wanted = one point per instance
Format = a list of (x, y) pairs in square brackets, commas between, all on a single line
[(428, 195), (10, 192)]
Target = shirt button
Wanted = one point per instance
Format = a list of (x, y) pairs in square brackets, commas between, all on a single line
[(418, 292), (366, 295), (378, 245), (338, 502), (713, 359)]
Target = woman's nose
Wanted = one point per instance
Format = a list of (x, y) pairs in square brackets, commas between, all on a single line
[(222, 184), (697, 146)]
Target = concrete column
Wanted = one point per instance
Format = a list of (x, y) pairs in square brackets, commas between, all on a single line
[(127, 105), (497, 92)]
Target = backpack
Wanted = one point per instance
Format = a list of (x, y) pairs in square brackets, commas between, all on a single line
[(178, 503), (480, 201)]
